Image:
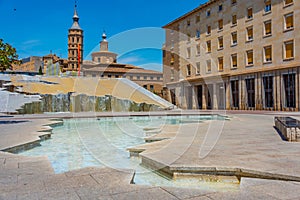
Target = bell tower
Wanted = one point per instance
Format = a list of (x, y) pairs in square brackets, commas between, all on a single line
[(75, 44)]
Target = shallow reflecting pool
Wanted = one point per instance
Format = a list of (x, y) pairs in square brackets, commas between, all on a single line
[(103, 142)]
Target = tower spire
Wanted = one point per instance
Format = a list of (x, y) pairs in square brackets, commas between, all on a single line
[(75, 43), (75, 18)]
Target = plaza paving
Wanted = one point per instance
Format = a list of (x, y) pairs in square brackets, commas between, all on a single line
[(247, 143)]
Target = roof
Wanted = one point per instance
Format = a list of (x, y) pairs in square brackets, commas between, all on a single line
[(200, 7), (125, 69), (75, 26)]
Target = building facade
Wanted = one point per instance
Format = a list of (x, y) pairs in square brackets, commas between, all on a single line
[(104, 65), (234, 54), (30, 64), (75, 45)]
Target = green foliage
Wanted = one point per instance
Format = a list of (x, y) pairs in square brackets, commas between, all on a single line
[(40, 71), (8, 56)]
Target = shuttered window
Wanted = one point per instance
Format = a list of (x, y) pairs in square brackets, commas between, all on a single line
[(289, 21), (249, 33), (250, 57), (208, 30), (249, 13), (234, 20), (220, 24), (289, 49), (208, 45), (221, 45), (268, 53), (234, 38), (268, 28), (234, 60), (220, 64)]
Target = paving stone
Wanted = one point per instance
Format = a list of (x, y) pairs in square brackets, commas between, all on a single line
[(278, 189), (153, 193), (185, 193)]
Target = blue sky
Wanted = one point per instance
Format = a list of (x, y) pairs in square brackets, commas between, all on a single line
[(34, 27)]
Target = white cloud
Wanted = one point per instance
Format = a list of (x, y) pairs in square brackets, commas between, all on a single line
[(31, 42), (129, 60)]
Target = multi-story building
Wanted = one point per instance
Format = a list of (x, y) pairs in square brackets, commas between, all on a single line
[(104, 65), (31, 64), (234, 54), (52, 61)]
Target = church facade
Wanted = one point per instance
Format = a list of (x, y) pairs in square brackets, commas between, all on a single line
[(104, 65)]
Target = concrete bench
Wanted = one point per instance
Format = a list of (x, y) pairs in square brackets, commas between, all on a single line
[(289, 128)]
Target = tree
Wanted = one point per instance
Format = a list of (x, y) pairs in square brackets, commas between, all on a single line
[(8, 56), (40, 71)]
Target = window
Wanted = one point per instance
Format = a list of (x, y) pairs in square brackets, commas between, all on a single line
[(172, 44), (235, 93), (188, 23), (220, 43), (208, 46), (145, 86), (145, 77), (188, 70), (268, 88), (220, 64), (131, 77), (289, 50), (197, 18), (220, 7), (290, 90), (158, 78), (208, 66), (250, 86), (208, 32), (234, 60), (151, 78), (234, 38), (268, 6), (249, 57), (198, 49), (220, 24), (188, 52), (233, 2), (234, 20), (138, 77), (288, 21), (249, 33), (198, 68), (207, 13), (116, 76), (286, 2), (249, 13), (197, 34), (151, 87), (268, 54), (109, 76), (268, 28)]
